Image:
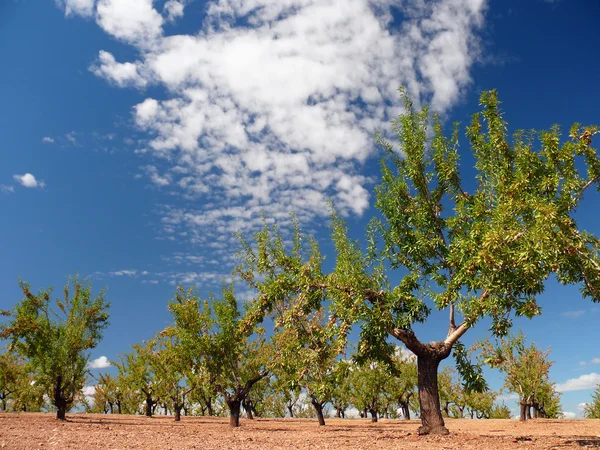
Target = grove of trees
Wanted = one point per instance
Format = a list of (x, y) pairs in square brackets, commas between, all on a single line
[(480, 248)]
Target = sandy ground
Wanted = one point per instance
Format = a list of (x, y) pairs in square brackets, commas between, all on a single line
[(88, 431)]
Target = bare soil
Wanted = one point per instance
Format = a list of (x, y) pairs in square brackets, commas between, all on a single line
[(90, 431)]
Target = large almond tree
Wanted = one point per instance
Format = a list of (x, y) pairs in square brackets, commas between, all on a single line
[(479, 249)]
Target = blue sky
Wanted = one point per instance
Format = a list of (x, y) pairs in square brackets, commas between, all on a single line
[(138, 136)]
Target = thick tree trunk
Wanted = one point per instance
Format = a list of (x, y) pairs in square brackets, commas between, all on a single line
[(291, 411), (528, 412), (432, 421), (209, 407), (110, 407), (234, 412), (59, 401), (364, 414), (177, 411), (523, 416), (373, 415), (319, 409), (119, 408)]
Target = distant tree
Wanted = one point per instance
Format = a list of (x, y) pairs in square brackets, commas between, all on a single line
[(500, 412), (56, 340), (341, 395), (214, 337), (106, 395), (12, 369), (138, 380), (404, 386), (526, 372), (370, 383), (172, 370), (592, 409), (305, 333)]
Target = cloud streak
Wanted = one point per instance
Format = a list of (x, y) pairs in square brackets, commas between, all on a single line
[(588, 381)]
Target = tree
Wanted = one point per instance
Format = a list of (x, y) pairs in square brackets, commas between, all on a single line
[(12, 369), (56, 340), (526, 372), (215, 338), (305, 332), (137, 378), (369, 387), (592, 409), (404, 386), (500, 412)]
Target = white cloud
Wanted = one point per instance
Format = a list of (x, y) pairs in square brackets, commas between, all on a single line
[(278, 115), (124, 273), (174, 9), (84, 8), (508, 397), (596, 361), (6, 188), (573, 314), (28, 181), (589, 381), (89, 391), (134, 21), (48, 140), (582, 406), (568, 415), (71, 138), (122, 74), (99, 363)]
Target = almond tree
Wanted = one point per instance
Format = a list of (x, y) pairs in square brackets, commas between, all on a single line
[(214, 337), (526, 372), (305, 333), (484, 253), (12, 369), (592, 409), (56, 339), (137, 378), (369, 386)]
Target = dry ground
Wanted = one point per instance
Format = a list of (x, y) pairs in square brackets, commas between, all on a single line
[(88, 431)]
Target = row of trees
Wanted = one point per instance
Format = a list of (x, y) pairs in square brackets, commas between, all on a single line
[(478, 249)]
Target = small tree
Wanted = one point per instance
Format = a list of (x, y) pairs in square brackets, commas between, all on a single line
[(526, 372), (12, 370), (370, 383), (500, 412), (214, 338), (137, 378), (592, 409), (56, 340)]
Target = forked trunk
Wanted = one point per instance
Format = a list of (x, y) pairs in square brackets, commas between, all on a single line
[(234, 413), (432, 421), (319, 409)]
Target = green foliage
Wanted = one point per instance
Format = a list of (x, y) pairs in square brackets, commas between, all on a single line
[(215, 340), (592, 409), (500, 412), (136, 380), (55, 337), (526, 372)]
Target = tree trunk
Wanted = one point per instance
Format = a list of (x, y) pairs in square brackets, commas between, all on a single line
[(59, 401), (177, 411), (291, 411), (209, 407), (149, 406), (234, 413), (110, 407), (364, 414), (119, 407), (373, 415), (405, 410), (319, 409), (523, 416), (432, 421), (248, 408)]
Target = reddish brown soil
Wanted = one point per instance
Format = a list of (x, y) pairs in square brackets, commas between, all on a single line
[(87, 431)]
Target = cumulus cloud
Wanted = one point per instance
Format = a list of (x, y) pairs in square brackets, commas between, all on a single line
[(99, 363), (89, 391), (28, 181), (121, 74), (84, 8), (278, 115), (48, 140), (588, 381), (568, 415)]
